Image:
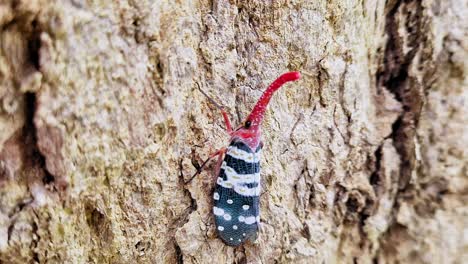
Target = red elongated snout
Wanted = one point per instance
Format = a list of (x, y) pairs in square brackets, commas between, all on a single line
[(249, 132), (256, 116)]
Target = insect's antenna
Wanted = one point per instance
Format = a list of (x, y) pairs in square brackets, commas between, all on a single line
[(220, 107)]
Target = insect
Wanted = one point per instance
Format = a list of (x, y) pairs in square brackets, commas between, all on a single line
[(237, 193)]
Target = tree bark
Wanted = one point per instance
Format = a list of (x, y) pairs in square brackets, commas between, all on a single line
[(101, 124)]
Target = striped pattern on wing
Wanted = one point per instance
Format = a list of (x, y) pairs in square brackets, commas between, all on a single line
[(236, 196)]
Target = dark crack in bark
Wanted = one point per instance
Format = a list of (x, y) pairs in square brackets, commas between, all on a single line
[(184, 217), (33, 153), (407, 30), (375, 179), (395, 77), (21, 51), (178, 253)]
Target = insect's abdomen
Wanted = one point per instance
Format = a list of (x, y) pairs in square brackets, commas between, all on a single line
[(236, 196)]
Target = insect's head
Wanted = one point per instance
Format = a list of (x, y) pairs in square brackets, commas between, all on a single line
[(249, 131)]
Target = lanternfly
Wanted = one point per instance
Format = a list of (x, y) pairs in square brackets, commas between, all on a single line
[(237, 193)]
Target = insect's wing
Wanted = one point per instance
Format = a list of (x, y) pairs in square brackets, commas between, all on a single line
[(236, 203)]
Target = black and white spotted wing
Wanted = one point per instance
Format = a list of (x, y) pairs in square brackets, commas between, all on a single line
[(236, 196)]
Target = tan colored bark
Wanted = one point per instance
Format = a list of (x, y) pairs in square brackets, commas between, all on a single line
[(101, 124)]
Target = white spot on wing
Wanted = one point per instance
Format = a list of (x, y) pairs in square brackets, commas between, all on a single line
[(216, 196), (227, 217), (218, 211), (220, 228), (250, 220), (220, 181), (234, 227), (229, 201)]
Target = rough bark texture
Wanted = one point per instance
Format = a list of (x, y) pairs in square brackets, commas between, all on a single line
[(365, 158)]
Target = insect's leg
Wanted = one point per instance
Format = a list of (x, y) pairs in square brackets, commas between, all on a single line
[(226, 120), (217, 153), (264, 192), (221, 108), (219, 162)]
